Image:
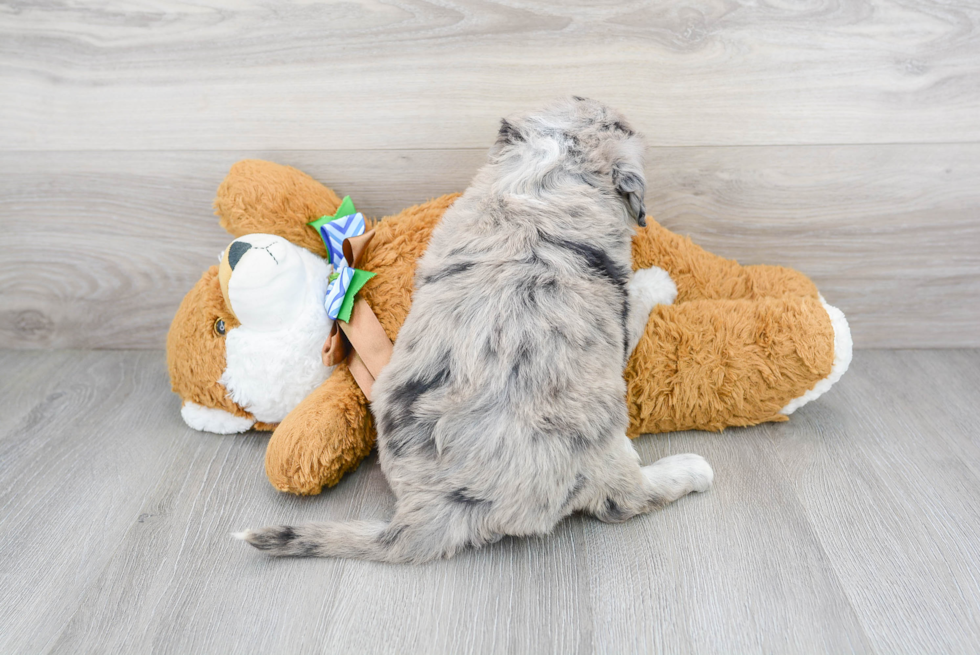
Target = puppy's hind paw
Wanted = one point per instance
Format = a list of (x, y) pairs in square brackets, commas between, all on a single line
[(689, 471)]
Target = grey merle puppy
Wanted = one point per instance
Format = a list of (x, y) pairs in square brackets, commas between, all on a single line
[(503, 408)]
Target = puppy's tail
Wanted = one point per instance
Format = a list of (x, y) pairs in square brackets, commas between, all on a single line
[(354, 540), (371, 540)]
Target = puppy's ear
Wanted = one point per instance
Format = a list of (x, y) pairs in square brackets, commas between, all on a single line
[(509, 134), (631, 185)]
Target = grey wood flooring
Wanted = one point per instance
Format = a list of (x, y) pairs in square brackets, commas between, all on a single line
[(851, 528)]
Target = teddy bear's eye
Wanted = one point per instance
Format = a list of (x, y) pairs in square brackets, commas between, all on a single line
[(219, 327)]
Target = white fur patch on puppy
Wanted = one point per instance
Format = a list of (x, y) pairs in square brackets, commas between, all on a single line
[(209, 419), (678, 475), (843, 347)]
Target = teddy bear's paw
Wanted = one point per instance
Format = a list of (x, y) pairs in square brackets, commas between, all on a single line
[(211, 419), (650, 287), (843, 346), (647, 288)]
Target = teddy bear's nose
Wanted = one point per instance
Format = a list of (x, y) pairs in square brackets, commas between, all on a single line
[(236, 251)]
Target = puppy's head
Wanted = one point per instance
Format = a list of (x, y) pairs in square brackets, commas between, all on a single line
[(578, 137)]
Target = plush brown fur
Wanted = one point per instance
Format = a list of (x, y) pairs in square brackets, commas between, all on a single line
[(331, 431), (257, 197), (195, 352), (710, 364), (737, 345)]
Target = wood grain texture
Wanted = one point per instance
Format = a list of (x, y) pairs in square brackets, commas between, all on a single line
[(26, 381), (741, 571), (891, 235), (889, 476), (99, 248), (415, 74), (851, 528), (74, 472)]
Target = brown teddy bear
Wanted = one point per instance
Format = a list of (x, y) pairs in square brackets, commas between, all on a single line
[(729, 345)]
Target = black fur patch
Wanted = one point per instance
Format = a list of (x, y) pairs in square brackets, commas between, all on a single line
[(624, 313), (273, 537), (596, 259), (590, 179), (449, 271), (600, 263), (409, 392), (554, 427), (460, 250), (417, 437), (619, 127), (508, 133), (405, 430), (489, 352), (631, 188), (463, 497), (390, 535), (580, 441), (613, 512), (532, 259)]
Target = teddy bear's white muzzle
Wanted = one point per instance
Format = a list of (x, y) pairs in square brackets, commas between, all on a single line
[(268, 281)]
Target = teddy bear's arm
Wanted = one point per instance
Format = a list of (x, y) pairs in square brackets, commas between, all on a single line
[(700, 275), (262, 197), (709, 364), (325, 436)]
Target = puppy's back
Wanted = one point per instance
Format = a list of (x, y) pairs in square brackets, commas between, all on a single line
[(510, 360)]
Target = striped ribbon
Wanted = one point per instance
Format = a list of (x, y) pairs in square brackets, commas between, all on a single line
[(357, 335), (337, 290), (336, 231), (346, 223)]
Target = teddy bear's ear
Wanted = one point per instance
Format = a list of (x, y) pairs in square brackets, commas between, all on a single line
[(260, 196), (196, 356)]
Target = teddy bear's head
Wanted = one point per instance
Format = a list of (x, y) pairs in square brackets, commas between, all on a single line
[(244, 346)]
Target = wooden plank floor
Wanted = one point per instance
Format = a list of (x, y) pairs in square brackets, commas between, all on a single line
[(851, 528)]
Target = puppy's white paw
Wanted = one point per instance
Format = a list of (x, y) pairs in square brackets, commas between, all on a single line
[(650, 287), (690, 471)]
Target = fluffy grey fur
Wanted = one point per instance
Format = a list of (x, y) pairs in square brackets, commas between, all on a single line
[(503, 408)]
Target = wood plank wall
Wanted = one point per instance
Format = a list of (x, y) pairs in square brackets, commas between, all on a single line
[(841, 138)]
